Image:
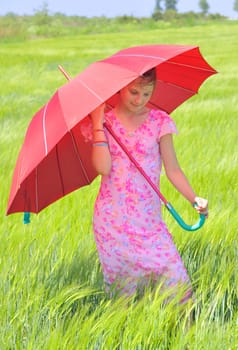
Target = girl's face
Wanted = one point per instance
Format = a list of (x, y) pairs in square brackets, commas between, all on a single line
[(136, 95)]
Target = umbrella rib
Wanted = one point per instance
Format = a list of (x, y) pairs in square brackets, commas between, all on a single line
[(139, 55), (79, 158), (190, 66), (157, 106), (60, 174), (37, 197), (165, 60), (44, 129), (177, 86), (91, 90)]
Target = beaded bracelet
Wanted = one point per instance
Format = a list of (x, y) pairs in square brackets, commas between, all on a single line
[(103, 144), (100, 143)]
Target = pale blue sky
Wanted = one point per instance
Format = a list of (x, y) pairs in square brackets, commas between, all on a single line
[(111, 8)]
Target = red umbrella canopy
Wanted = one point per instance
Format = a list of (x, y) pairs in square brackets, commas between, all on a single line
[(180, 71), (55, 157)]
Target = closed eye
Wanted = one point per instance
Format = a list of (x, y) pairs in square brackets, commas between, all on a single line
[(134, 92)]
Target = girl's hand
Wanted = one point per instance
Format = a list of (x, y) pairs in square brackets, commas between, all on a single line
[(97, 116), (201, 206)]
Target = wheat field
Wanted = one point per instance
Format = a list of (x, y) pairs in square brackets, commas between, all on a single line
[(52, 294)]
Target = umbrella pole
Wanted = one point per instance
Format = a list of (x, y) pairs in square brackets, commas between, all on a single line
[(170, 208), (137, 165)]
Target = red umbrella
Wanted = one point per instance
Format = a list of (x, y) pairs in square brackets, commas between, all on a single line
[(55, 159)]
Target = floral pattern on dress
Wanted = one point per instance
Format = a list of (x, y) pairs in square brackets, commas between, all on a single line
[(132, 240)]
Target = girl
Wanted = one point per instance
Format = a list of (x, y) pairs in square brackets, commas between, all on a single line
[(134, 245)]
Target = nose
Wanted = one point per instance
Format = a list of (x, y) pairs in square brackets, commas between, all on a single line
[(138, 99)]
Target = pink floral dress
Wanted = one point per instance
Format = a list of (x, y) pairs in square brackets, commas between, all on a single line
[(133, 242)]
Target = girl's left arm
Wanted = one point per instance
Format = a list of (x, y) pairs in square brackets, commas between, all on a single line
[(173, 170), (176, 175)]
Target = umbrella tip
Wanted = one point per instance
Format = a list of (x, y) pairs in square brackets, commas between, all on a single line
[(64, 72), (26, 218)]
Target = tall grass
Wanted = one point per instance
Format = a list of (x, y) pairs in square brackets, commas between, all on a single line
[(51, 287)]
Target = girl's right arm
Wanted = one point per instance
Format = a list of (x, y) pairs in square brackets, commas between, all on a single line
[(101, 157)]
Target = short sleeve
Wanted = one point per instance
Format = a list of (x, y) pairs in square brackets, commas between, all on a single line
[(166, 125)]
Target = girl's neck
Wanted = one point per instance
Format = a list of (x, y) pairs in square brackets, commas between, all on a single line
[(130, 120), (123, 113)]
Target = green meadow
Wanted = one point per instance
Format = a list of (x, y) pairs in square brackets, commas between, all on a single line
[(51, 286)]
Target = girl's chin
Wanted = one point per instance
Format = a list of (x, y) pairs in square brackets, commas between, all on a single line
[(136, 109)]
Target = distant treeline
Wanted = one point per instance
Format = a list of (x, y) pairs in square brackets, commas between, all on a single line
[(43, 24)]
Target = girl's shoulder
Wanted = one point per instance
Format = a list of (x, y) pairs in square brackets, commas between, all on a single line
[(162, 122), (160, 116)]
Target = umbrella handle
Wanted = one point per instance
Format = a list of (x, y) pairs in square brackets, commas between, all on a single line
[(180, 221)]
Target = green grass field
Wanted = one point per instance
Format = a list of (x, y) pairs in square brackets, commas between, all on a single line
[(51, 293)]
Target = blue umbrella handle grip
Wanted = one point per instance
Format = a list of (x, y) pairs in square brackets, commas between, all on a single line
[(180, 221), (26, 218)]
